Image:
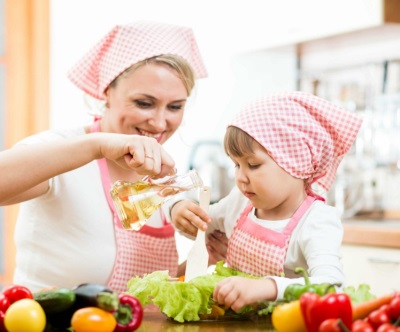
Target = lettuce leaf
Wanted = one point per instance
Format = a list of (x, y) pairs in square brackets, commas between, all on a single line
[(181, 301), (360, 294)]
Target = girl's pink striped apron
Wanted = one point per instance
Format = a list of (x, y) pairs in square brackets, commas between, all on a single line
[(138, 253), (258, 250)]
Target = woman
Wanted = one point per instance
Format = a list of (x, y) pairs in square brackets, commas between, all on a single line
[(67, 230)]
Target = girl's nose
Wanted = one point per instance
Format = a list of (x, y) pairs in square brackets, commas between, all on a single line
[(241, 176)]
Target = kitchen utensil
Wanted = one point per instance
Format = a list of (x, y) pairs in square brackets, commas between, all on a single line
[(197, 260)]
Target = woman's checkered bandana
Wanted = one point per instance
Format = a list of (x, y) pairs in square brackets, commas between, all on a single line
[(126, 45)]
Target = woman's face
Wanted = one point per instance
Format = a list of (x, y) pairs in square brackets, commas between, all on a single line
[(148, 101)]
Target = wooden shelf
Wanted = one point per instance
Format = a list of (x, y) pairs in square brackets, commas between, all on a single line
[(383, 234)]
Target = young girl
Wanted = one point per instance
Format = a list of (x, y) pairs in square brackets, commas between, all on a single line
[(280, 144)]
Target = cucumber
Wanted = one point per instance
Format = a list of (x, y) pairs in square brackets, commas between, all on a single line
[(55, 300)]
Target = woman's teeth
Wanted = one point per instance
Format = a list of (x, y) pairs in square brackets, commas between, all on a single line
[(147, 134)]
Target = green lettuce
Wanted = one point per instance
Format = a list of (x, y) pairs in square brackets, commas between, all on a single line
[(181, 301), (360, 294)]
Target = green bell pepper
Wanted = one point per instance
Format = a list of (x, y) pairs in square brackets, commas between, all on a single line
[(293, 292)]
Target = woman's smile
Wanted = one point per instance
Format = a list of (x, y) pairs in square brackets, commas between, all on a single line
[(157, 136)]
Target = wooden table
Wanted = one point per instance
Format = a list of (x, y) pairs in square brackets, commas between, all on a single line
[(156, 321)]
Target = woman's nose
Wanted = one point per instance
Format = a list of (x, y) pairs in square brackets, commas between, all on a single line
[(158, 121)]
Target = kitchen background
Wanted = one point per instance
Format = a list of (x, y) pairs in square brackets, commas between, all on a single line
[(347, 51)]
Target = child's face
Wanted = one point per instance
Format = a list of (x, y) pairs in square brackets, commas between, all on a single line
[(274, 192)]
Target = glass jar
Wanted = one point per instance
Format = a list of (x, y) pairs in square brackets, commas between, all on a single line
[(135, 202)]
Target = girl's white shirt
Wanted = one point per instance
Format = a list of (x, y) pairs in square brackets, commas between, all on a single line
[(315, 242)]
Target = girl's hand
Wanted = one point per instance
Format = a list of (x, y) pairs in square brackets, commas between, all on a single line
[(217, 246), (142, 154), (187, 216), (237, 292)]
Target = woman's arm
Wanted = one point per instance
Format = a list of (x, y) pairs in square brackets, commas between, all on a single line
[(26, 169)]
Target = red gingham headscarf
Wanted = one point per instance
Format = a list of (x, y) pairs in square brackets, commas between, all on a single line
[(126, 45), (306, 135)]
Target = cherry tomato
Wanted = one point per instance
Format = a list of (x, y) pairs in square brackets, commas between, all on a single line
[(330, 325), (17, 292), (378, 317), (394, 308), (91, 319), (25, 315), (361, 326), (387, 328)]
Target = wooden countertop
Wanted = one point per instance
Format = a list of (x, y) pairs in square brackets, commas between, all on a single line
[(369, 232), (156, 321)]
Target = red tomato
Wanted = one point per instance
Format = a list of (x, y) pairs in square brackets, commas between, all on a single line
[(17, 292), (378, 317), (361, 326), (387, 328), (330, 325), (394, 308), (4, 302)]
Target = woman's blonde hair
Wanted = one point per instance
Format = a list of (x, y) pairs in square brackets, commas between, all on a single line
[(180, 65)]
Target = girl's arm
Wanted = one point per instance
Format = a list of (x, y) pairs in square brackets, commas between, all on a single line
[(26, 169), (315, 245)]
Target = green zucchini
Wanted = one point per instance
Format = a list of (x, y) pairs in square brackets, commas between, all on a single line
[(55, 300)]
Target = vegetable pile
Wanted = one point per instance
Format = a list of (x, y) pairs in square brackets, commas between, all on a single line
[(87, 307), (305, 307), (353, 310)]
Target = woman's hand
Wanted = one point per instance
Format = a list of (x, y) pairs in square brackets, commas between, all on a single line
[(187, 216), (140, 153), (237, 292), (217, 246)]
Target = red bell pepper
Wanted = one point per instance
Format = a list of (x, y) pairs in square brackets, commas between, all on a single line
[(9, 295), (316, 309), (129, 314)]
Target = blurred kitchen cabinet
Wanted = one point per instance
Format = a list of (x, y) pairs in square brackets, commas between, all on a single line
[(376, 266)]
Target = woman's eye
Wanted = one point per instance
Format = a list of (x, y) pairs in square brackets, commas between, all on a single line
[(175, 107), (142, 104)]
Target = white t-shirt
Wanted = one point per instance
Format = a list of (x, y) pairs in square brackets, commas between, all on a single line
[(314, 244), (66, 236)]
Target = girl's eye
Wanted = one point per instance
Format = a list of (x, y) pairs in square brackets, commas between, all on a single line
[(143, 104), (254, 166)]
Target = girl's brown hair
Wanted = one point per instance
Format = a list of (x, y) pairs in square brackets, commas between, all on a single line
[(238, 143)]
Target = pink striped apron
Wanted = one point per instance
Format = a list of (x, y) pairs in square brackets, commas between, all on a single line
[(138, 253), (258, 250)]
